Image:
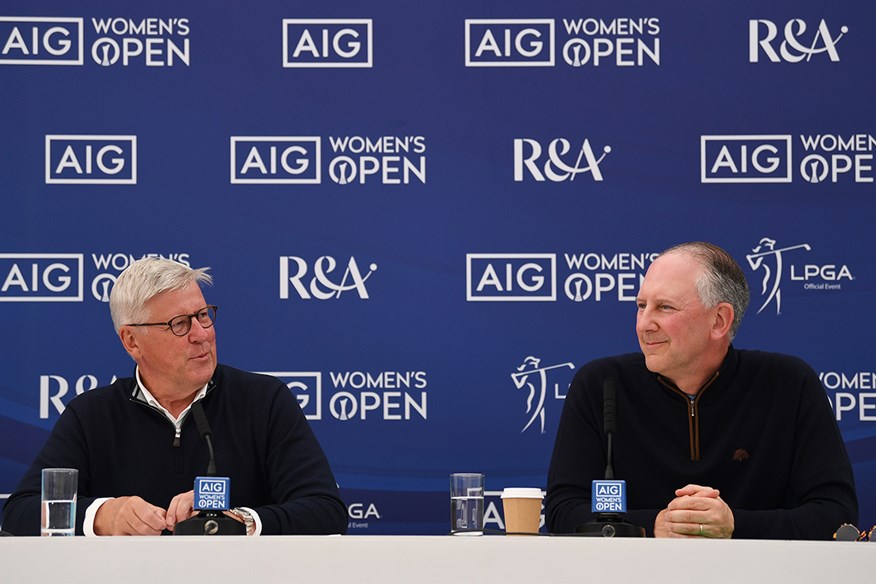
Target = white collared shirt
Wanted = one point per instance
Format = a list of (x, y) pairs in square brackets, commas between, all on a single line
[(150, 399)]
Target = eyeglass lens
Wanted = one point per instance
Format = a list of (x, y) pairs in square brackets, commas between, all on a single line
[(183, 324)]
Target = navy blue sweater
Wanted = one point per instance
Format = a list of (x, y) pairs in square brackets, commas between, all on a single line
[(122, 446), (762, 432)]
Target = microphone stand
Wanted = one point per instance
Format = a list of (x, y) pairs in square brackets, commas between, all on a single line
[(208, 522), (609, 524)]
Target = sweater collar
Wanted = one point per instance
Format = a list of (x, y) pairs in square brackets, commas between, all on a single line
[(728, 366), (141, 393)]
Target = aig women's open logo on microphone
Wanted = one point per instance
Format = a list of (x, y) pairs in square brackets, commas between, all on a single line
[(609, 497), (211, 493)]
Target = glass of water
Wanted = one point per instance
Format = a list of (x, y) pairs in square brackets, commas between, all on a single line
[(58, 508), (466, 503)]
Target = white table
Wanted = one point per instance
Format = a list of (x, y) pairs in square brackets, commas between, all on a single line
[(427, 559)]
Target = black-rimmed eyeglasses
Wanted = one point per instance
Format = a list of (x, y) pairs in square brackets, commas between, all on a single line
[(182, 324)]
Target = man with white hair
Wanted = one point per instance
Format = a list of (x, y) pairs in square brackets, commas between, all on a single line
[(711, 440), (138, 450)]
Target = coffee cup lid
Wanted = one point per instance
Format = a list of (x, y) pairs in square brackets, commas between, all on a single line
[(521, 493)]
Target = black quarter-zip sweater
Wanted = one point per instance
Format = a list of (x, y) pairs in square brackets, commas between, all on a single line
[(122, 446), (761, 431)]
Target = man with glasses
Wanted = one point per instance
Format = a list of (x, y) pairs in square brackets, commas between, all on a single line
[(138, 451)]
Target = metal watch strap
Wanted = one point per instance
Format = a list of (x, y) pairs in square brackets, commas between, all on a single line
[(246, 516)]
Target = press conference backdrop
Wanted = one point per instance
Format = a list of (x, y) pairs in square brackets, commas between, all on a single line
[(423, 217)]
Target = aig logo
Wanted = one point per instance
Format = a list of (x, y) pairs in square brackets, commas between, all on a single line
[(91, 160), (800, 42), (745, 159), (275, 160), (509, 43), (306, 386), (511, 277), (41, 41), (34, 277), (327, 279), (327, 43)]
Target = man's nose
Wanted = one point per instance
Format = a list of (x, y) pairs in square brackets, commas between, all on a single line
[(645, 320), (197, 332)]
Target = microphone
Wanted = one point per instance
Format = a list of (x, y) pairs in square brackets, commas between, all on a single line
[(212, 493), (609, 389), (206, 433), (609, 496)]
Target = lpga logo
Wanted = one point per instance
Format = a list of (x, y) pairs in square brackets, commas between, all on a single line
[(534, 378), (766, 256)]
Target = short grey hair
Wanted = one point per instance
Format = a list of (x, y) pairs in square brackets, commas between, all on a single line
[(144, 279), (722, 279)]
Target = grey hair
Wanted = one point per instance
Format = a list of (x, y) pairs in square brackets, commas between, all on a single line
[(144, 279), (722, 279)]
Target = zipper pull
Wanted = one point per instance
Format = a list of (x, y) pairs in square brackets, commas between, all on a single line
[(176, 437)]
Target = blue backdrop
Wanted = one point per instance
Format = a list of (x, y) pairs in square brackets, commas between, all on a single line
[(425, 216)]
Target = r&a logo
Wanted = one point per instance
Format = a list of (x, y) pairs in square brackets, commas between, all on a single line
[(54, 390), (41, 41), (509, 43), (91, 160), (327, 43), (762, 33), (322, 285), (527, 160)]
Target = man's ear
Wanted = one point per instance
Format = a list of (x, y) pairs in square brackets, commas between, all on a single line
[(723, 320), (129, 342)]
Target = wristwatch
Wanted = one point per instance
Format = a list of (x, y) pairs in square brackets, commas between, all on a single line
[(246, 517)]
